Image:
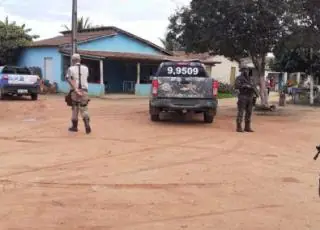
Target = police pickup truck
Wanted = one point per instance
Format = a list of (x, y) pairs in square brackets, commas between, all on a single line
[(183, 86), (18, 81)]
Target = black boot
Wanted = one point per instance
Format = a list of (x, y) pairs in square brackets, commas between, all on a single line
[(239, 127), (87, 125), (74, 127), (248, 127)]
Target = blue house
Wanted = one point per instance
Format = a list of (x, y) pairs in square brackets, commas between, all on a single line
[(118, 61)]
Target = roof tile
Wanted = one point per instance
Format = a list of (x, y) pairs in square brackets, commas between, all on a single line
[(66, 39)]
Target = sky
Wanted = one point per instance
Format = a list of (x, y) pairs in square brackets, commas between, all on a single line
[(145, 18)]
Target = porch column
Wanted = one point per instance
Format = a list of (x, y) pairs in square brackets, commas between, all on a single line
[(311, 90), (298, 78), (285, 78), (138, 73), (101, 72)]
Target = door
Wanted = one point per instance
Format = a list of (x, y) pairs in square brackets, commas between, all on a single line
[(48, 70), (233, 75)]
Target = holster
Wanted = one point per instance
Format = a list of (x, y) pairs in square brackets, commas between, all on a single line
[(68, 98)]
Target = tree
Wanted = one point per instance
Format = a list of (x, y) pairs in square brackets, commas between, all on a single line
[(170, 44), (82, 24), (12, 38), (298, 51), (233, 28), (171, 41)]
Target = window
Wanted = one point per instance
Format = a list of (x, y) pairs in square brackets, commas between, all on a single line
[(94, 70), (147, 70), (9, 70), (16, 70), (93, 67), (23, 71), (65, 66)]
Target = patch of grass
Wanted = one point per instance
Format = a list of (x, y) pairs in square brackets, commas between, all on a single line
[(225, 95)]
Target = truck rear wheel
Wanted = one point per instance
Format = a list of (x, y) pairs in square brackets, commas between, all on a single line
[(154, 113), (34, 97), (155, 117), (208, 116), (2, 95)]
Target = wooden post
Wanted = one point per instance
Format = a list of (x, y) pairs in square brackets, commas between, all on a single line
[(74, 27), (285, 78), (138, 73), (101, 72), (311, 90), (298, 78)]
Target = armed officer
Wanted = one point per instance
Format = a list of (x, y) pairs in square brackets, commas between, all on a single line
[(77, 77), (246, 97)]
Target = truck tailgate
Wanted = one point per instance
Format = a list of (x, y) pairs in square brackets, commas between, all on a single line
[(17, 79), (185, 87)]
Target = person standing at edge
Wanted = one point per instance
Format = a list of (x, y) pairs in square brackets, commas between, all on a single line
[(247, 93), (77, 77)]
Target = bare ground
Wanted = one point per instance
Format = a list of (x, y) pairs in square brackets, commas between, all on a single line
[(131, 173)]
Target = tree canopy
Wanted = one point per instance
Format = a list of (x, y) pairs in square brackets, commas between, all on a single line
[(298, 51), (12, 38), (233, 28)]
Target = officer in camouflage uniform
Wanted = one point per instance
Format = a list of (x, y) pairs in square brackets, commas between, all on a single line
[(77, 77), (246, 98)]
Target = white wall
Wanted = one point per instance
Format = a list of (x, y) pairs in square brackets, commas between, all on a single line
[(221, 72)]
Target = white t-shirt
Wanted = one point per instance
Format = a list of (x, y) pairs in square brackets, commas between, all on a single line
[(73, 73)]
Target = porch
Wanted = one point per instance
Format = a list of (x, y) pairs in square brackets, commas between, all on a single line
[(115, 73)]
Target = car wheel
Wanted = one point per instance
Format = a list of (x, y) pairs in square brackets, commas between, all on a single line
[(155, 117), (34, 97), (154, 113), (2, 96), (208, 117)]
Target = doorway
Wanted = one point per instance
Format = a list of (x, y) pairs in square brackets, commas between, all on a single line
[(48, 69)]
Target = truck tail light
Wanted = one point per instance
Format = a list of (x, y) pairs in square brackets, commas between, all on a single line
[(215, 87), (155, 87), (5, 77)]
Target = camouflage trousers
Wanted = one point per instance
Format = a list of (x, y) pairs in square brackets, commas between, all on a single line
[(80, 105), (83, 110), (245, 105)]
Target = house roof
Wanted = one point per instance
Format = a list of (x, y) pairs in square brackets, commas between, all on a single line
[(66, 39), (132, 56), (93, 34)]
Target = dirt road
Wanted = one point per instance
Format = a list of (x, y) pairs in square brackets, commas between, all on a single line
[(135, 174)]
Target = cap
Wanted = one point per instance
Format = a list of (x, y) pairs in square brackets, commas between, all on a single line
[(76, 57), (243, 66)]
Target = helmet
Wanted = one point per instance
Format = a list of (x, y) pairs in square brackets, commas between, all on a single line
[(243, 66)]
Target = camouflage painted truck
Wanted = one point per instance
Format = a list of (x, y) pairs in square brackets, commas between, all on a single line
[(183, 86)]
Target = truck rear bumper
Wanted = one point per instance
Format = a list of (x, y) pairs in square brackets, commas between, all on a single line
[(20, 89), (200, 105)]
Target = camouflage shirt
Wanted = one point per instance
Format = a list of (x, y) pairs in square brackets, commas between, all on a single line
[(246, 85)]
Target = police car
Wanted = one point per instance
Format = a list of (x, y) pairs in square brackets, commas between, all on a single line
[(18, 81), (183, 86)]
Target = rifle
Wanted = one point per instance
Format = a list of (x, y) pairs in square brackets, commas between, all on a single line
[(318, 153), (315, 158), (251, 86)]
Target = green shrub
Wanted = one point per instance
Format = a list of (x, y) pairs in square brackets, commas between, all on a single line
[(225, 95), (226, 88)]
